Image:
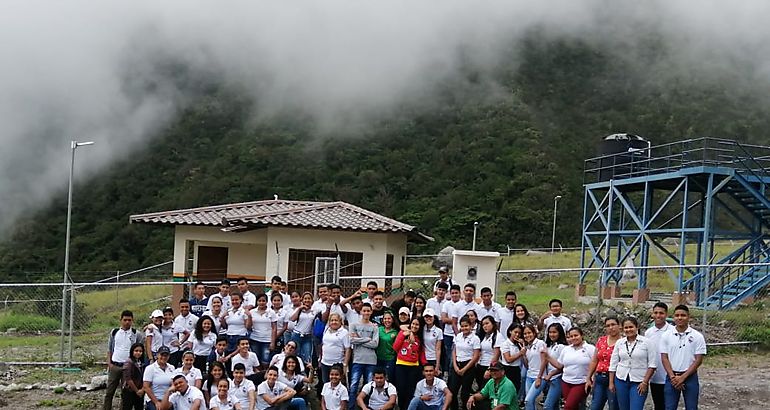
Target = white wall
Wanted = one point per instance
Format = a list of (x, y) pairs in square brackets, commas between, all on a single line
[(486, 268), (246, 250)]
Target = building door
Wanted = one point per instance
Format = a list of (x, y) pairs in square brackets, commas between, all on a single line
[(212, 263)]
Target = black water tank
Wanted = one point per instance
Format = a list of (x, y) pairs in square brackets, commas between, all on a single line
[(631, 147)]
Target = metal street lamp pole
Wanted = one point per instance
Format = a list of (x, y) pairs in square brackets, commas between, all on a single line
[(475, 227), (73, 146), (553, 233)]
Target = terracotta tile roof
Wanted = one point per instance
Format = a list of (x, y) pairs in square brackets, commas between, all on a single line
[(297, 214)]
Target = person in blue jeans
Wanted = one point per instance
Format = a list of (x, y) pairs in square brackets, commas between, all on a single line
[(598, 380), (302, 334), (682, 352), (633, 362), (364, 338), (431, 392), (556, 340)]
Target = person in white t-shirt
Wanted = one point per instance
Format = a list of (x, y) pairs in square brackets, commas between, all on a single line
[(272, 394), (182, 396), (574, 361), (249, 360), (491, 340), (431, 392), (655, 335), (447, 319), (281, 315), (334, 395), (249, 298), (512, 352), (682, 352), (276, 288), (535, 350), (224, 296), (555, 316), (203, 340), (335, 346), (377, 394), (467, 349), (157, 378), (488, 307), (236, 322), (191, 373), (243, 389), (223, 400), (264, 329)]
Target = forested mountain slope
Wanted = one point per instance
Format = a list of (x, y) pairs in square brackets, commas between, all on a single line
[(494, 146)]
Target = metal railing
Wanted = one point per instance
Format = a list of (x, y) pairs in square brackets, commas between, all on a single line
[(716, 152)]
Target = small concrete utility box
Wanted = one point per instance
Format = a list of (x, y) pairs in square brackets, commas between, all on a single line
[(477, 267)]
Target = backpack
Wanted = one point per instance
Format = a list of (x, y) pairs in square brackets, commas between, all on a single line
[(133, 334), (318, 327)]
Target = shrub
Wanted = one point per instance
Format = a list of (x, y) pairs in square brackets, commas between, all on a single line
[(758, 333)]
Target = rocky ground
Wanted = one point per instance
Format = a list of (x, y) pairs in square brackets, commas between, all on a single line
[(728, 381)]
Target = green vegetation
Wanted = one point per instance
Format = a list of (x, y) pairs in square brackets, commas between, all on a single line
[(27, 323), (492, 146)]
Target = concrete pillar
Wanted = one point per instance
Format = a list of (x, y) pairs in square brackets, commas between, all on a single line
[(641, 295), (610, 292), (678, 299), (580, 290)]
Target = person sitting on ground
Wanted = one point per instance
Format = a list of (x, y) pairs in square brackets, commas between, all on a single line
[(377, 394), (431, 392), (271, 393), (497, 394), (182, 396)]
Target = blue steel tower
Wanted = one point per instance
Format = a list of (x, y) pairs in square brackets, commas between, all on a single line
[(669, 205)]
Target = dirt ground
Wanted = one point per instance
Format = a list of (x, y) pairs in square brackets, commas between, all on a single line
[(728, 381)]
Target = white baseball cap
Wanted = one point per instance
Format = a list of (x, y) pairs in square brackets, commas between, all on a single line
[(403, 310), (156, 313), (429, 312)]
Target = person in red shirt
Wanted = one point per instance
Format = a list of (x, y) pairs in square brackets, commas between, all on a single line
[(410, 354)]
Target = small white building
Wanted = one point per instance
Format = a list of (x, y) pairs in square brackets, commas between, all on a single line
[(300, 241)]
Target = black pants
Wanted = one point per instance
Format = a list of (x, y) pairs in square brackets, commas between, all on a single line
[(130, 401), (200, 363), (175, 359), (458, 382), (513, 373), (658, 399), (406, 380), (479, 376)]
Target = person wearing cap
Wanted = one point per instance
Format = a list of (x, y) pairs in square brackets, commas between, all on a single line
[(404, 314), (431, 393), (182, 396), (405, 301), (432, 339), (118, 352), (443, 273), (153, 338), (157, 378), (498, 394)]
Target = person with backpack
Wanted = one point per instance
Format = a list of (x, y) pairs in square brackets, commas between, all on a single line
[(118, 353), (377, 394)]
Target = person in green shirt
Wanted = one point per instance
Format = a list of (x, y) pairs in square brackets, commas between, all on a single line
[(386, 356), (498, 394)]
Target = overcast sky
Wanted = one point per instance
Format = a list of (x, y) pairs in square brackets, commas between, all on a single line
[(81, 69)]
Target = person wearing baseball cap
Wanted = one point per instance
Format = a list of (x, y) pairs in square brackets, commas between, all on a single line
[(158, 378), (153, 339), (404, 315), (432, 338), (499, 392)]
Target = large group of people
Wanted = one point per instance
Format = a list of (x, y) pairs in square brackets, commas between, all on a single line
[(240, 350)]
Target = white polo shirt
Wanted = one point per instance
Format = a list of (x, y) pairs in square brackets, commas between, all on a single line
[(565, 322), (186, 322), (226, 303), (465, 345), (249, 362), (265, 389), (249, 299), (554, 351), (533, 357), (436, 305), (488, 348), (576, 362), (682, 347), (505, 317), (240, 392), (286, 298), (204, 346), (655, 336), (262, 324), (352, 316), (449, 308), (630, 360), (236, 322), (462, 307), (333, 346), (157, 338), (121, 344), (436, 390), (491, 310), (226, 404), (185, 401), (378, 398), (160, 379), (334, 396), (430, 338), (511, 348), (192, 375)]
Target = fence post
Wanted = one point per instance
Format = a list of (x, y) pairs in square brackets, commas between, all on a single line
[(72, 321), (63, 319)]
